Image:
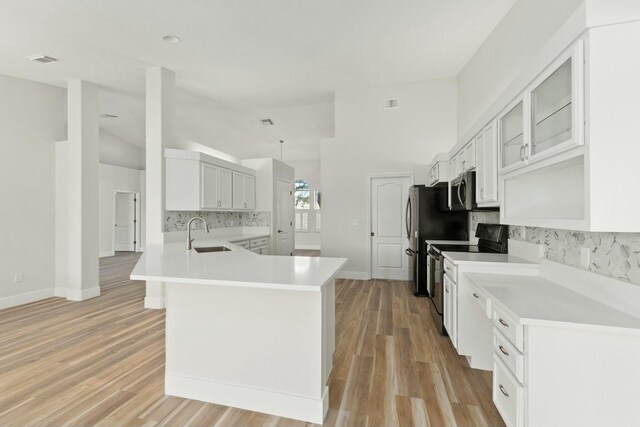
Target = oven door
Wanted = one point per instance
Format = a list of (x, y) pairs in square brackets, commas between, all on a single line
[(435, 279)]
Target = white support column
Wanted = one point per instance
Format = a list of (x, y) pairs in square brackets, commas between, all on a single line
[(160, 129), (82, 186)]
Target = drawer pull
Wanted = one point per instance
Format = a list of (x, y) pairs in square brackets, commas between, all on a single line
[(447, 289), (475, 295), (505, 352), (503, 323), (503, 390)]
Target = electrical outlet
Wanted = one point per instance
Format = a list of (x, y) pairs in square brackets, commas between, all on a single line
[(523, 233), (17, 278), (585, 254)]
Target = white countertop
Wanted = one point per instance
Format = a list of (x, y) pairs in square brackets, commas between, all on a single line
[(238, 267), (447, 242), (536, 301), (487, 258), (238, 237)]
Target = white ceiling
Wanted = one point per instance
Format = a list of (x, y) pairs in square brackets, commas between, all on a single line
[(242, 59)]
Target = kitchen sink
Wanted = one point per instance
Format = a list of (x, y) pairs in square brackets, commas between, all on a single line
[(212, 249)]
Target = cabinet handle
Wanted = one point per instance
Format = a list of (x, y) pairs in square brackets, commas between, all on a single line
[(527, 151), (503, 323), (446, 289), (503, 390), (505, 352), (475, 295), (522, 153)]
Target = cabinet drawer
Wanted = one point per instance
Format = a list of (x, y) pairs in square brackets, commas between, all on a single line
[(508, 326), (481, 299), (259, 242), (451, 270), (507, 352), (508, 395), (243, 244)]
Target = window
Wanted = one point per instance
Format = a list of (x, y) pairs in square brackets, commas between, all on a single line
[(302, 195)]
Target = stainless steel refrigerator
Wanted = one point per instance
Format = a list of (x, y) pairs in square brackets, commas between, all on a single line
[(428, 218)]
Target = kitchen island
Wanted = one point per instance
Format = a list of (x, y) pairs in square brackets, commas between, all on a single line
[(244, 330)]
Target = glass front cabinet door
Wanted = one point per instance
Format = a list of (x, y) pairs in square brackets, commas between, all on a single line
[(556, 106), (548, 117), (511, 135)]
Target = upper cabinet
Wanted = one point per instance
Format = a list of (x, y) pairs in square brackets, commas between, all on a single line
[(486, 145), (215, 187), (195, 181), (547, 118), (511, 134), (244, 191), (440, 170)]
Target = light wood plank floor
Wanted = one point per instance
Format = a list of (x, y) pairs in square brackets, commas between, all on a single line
[(101, 362)]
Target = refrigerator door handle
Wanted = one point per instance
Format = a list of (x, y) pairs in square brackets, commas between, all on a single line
[(407, 217)]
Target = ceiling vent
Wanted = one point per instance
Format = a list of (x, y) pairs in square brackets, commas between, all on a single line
[(108, 116), (266, 122), (41, 58), (391, 104)]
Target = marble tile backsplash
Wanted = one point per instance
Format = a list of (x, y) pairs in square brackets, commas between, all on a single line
[(489, 217), (614, 255), (177, 221)]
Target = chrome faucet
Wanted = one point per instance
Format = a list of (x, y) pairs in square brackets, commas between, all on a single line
[(189, 239)]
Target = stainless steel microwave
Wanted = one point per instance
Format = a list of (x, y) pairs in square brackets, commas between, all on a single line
[(463, 192)]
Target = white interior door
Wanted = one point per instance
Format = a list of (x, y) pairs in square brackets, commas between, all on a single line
[(125, 225), (284, 218), (388, 238)]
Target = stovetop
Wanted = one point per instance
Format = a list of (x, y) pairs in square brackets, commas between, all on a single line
[(462, 248)]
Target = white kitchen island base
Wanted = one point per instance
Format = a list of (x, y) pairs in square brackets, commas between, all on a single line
[(261, 349)]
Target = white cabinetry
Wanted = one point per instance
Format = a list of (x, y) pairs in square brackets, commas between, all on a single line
[(244, 190), (259, 246), (571, 173), (195, 181), (450, 315), (464, 160), (548, 117), (439, 172), (486, 145), (215, 184)]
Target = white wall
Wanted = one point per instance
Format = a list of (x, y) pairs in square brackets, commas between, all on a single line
[(112, 179), (117, 152), (370, 140), (309, 170), (32, 119), (508, 51)]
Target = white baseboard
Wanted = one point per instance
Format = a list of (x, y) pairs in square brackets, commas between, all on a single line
[(27, 297), (244, 397), (154, 302), (106, 254), (352, 275), (84, 294)]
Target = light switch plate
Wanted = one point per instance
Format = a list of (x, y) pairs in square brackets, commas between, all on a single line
[(17, 278)]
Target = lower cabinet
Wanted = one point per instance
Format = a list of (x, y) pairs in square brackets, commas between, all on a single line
[(259, 246), (560, 374), (450, 309)]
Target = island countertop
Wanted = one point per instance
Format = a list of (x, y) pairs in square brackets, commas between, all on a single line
[(237, 267)]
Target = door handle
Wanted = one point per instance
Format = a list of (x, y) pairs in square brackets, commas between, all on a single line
[(279, 231)]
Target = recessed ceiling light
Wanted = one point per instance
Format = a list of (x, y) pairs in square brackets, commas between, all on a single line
[(108, 116), (41, 58), (171, 39), (266, 122)]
